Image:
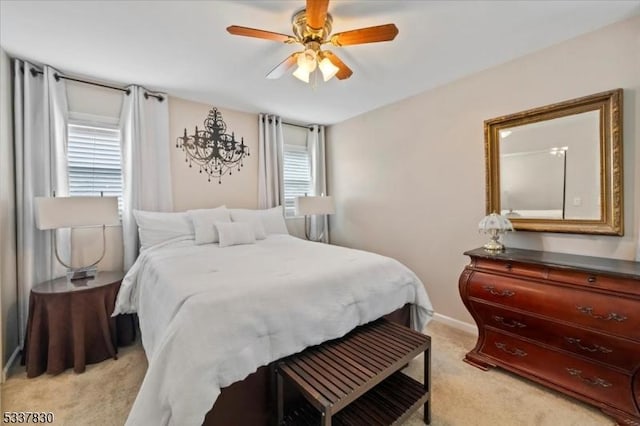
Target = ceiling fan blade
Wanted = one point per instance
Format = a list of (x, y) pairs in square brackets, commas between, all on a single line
[(283, 67), (344, 72), (317, 13), (365, 35), (267, 35)]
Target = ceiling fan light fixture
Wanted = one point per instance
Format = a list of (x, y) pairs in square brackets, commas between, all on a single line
[(328, 69), (302, 74), (312, 28), (308, 60)]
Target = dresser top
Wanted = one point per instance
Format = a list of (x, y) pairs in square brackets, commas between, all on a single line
[(621, 268)]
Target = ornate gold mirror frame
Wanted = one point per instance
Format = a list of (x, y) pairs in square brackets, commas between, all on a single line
[(608, 106)]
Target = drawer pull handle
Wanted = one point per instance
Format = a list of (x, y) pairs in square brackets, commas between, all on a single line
[(516, 351), (502, 293), (508, 266), (591, 279), (588, 310), (509, 323), (594, 348), (593, 382)]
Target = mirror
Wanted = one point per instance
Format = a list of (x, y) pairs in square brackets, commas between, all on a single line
[(558, 168)]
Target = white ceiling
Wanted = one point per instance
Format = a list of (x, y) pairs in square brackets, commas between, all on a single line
[(182, 47)]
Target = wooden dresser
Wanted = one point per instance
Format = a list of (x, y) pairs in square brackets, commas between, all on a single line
[(569, 322)]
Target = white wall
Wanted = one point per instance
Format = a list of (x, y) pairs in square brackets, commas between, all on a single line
[(89, 100), (409, 178), (8, 289)]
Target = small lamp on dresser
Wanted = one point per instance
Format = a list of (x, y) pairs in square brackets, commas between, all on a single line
[(494, 225), (75, 212), (308, 206)]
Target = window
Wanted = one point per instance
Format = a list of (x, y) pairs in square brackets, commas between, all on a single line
[(296, 176), (94, 161)]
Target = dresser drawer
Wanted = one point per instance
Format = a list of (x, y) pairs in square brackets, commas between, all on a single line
[(576, 375), (611, 350), (515, 268), (611, 314), (628, 286)]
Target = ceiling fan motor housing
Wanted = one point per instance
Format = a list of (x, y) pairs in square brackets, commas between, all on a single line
[(305, 34)]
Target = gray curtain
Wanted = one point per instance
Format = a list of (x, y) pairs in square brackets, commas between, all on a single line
[(270, 140), (316, 147), (146, 162), (40, 146)]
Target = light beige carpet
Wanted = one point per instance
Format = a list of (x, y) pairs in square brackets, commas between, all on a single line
[(461, 394)]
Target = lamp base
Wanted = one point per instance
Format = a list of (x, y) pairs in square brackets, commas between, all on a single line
[(307, 231), (494, 246), (82, 273)]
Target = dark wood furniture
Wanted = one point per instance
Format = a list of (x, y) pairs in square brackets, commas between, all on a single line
[(70, 324), (355, 380), (569, 322), (249, 402)]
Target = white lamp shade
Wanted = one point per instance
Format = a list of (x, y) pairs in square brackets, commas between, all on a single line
[(495, 221), (306, 206), (301, 74), (71, 212), (328, 69), (307, 60)]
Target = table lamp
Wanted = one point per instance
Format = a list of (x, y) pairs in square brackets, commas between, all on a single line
[(494, 225), (76, 212), (314, 205)]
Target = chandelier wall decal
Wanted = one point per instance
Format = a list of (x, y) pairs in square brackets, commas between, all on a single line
[(212, 149)]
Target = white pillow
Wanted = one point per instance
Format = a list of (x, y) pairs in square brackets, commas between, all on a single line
[(157, 227), (204, 223), (234, 233), (272, 219), (251, 217), (258, 228)]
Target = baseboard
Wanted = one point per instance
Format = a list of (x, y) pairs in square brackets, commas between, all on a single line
[(12, 359), (452, 322)]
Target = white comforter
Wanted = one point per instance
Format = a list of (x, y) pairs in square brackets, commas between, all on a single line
[(211, 316)]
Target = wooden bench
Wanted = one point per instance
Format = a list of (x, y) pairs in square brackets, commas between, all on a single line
[(356, 380)]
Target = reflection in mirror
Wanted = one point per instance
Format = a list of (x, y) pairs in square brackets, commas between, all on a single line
[(551, 169), (558, 168), (525, 191)]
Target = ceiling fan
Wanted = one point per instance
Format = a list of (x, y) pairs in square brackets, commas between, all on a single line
[(312, 29)]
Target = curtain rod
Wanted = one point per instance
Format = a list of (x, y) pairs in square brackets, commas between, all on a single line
[(295, 125), (58, 76)]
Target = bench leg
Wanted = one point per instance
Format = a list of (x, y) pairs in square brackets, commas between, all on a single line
[(427, 385), (279, 398), (326, 420)]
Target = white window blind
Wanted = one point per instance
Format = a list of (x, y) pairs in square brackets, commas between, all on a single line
[(296, 176), (94, 161)]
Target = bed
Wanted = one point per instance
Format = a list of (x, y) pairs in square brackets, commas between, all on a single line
[(214, 318)]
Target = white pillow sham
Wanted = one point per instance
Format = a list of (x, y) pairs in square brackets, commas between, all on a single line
[(235, 233), (204, 223), (157, 227), (272, 219)]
